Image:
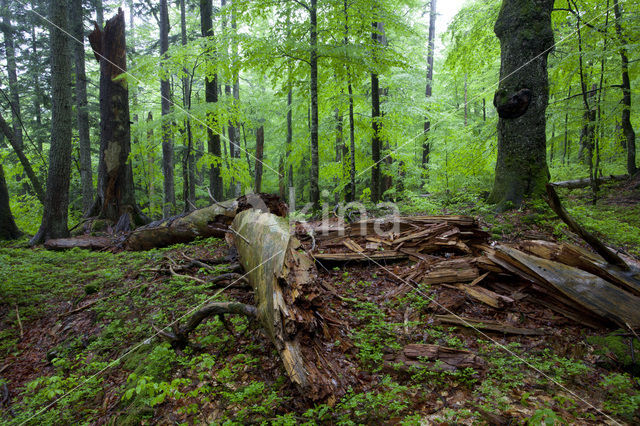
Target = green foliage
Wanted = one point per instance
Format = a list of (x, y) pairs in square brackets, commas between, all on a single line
[(623, 396)]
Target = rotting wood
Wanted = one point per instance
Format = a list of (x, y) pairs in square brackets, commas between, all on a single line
[(212, 221), (416, 356), (489, 325), (289, 303), (585, 182), (580, 258), (585, 289), (87, 242)]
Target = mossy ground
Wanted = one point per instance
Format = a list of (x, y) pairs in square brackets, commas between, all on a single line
[(107, 367)]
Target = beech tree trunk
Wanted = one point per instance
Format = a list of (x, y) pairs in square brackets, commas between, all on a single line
[(56, 203), (627, 128), (211, 95), (115, 194), (526, 37), (376, 143), (8, 228), (169, 204), (426, 146), (313, 61), (259, 158), (188, 163), (351, 188), (84, 142)]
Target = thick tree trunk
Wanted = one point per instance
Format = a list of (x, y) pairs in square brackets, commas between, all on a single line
[(211, 95), (259, 158), (8, 228), (526, 37), (313, 60), (54, 218), (169, 204), (426, 145), (115, 194), (84, 143), (627, 128)]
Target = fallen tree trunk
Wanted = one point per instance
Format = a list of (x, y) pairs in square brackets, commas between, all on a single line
[(289, 303), (212, 221), (584, 182)]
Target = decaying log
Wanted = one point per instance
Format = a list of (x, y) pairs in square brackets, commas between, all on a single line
[(289, 302), (582, 259), (417, 356), (597, 245), (212, 221), (584, 182), (88, 242), (489, 325), (583, 289)]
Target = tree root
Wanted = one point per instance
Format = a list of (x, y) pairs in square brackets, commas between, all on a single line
[(179, 338)]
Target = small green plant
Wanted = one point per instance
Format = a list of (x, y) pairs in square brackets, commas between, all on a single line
[(622, 398)]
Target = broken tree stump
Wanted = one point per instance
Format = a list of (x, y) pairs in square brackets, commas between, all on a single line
[(289, 303)]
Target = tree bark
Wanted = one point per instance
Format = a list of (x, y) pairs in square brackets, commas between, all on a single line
[(115, 194), (26, 165), (84, 142), (169, 204), (259, 158), (426, 145), (351, 188), (526, 37), (627, 128), (37, 91), (188, 164), (212, 221), (8, 228), (14, 90), (313, 61), (54, 218), (376, 143), (211, 96)]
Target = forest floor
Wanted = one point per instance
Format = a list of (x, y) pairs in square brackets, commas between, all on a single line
[(106, 367)]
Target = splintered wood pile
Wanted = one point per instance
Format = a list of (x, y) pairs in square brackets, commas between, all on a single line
[(453, 252)]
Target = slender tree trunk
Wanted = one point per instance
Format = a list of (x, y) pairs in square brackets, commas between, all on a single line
[(188, 166), (99, 13), (14, 90), (233, 127), (426, 145), (351, 188), (259, 158), (150, 160), (37, 91), (466, 105), (26, 165), (313, 60), (566, 130), (54, 218), (115, 195), (169, 204), (8, 228), (521, 167), (211, 96), (84, 142), (627, 128), (376, 143), (289, 134)]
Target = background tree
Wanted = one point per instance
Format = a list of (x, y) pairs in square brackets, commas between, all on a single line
[(526, 38), (56, 203)]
